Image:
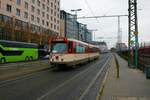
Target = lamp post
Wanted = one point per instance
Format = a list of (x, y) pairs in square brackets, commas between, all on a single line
[(75, 10)]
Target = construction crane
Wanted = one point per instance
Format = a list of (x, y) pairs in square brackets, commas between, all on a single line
[(133, 29), (133, 32)]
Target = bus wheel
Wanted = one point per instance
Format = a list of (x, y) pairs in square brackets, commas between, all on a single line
[(27, 58), (3, 60)]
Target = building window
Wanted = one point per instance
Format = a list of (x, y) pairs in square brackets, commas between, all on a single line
[(32, 8), (8, 8), (51, 11), (55, 7), (0, 3), (43, 22), (43, 5), (47, 9), (47, 16), (51, 25), (47, 24), (25, 15), (58, 3), (18, 2), (55, 27), (38, 19), (26, 5), (54, 13), (51, 4), (33, 1), (48, 2), (43, 14), (51, 18), (38, 3), (38, 11), (32, 17), (18, 12), (58, 15), (57, 21)]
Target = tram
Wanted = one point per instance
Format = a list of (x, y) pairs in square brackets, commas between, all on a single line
[(71, 52)]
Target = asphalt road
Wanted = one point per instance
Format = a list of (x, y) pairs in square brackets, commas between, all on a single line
[(81, 83)]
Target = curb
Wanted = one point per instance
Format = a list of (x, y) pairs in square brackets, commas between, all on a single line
[(28, 70), (103, 83), (102, 87), (21, 73)]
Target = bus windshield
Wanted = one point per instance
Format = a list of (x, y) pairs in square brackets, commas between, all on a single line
[(59, 48)]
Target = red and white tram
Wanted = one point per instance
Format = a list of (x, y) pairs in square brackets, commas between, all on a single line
[(70, 52)]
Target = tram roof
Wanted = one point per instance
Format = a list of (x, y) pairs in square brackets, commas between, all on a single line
[(88, 44)]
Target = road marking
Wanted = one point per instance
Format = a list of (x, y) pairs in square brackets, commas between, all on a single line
[(24, 77), (63, 84), (93, 81)]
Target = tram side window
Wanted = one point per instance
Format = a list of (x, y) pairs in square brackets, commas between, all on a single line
[(86, 49), (94, 49), (80, 48), (70, 47)]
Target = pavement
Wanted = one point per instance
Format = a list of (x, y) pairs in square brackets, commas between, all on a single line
[(81, 83), (12, 70), (132, 84)]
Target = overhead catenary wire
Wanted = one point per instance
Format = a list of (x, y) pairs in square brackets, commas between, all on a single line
[(86, 2), (104, 16)]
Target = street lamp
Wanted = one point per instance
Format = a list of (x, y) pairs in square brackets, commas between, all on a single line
[(75, 10)]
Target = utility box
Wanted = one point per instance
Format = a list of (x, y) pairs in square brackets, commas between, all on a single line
[(147, 71)]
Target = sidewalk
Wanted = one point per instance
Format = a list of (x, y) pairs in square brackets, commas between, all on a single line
[(13, 70), (132, 84)]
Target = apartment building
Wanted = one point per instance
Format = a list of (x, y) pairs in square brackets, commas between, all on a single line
[(42, 16)]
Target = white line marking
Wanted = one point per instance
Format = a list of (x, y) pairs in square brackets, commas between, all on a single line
[(21, 78), (93, 81)]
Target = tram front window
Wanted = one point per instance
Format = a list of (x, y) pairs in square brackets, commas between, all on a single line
[(59, 48)]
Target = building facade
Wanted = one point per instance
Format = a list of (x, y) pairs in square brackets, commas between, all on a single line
[(69, 23), (30, 19), (71, 28), (84, 33), (88, 36)]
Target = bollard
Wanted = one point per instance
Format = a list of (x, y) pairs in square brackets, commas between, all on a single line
[(117, 66)]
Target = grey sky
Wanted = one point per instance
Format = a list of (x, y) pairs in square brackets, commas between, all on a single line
[(107, 27)]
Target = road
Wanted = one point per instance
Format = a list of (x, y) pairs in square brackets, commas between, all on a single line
[(81, 83)]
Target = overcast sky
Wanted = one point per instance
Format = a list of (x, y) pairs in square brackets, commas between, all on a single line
[(107, 27)]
